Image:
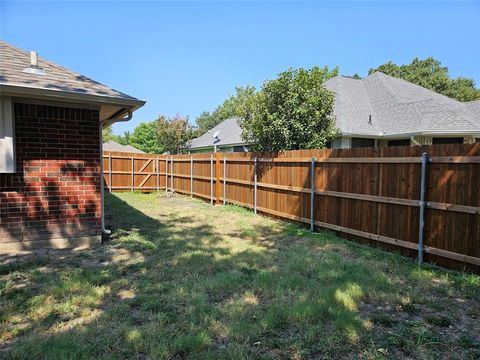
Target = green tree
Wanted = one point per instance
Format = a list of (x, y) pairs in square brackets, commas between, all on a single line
[(144, 137), (107, 134), (173, 134), (294, 111), (205, 121), (122, 139), (430, 74), (229, 108)]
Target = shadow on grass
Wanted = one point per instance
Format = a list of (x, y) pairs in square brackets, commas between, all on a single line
[(169, 285)]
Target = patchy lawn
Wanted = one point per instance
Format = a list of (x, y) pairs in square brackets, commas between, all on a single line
[(182, 279)]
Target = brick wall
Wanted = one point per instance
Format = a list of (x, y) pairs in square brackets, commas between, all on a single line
[(55, 192)]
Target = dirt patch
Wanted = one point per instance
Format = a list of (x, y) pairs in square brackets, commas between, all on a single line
[(459, 319)]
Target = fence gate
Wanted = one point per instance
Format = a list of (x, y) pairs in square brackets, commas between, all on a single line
[(131, 173)]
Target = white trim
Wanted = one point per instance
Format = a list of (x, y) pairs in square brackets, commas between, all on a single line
[(125, 105), (31, 90), (7, 137)]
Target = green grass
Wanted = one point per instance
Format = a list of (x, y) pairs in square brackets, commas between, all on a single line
[(182, 279)]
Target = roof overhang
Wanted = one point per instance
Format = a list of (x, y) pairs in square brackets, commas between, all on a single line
[(415, 133), (213, 145), (111, 108)]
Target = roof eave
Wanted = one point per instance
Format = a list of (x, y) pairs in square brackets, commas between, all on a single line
[(415, 133), (20, 90), (218, 145)]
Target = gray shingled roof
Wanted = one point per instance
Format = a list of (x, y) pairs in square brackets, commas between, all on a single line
[(474, 106), (230, 134), (56, 79), (114, 146), (397, 107)]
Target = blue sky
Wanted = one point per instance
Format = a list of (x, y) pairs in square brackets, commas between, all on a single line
[(186, 57)]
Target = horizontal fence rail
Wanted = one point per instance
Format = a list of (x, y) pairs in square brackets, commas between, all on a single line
[(426, 209)]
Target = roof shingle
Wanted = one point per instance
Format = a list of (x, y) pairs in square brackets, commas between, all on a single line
[(230, 134), (14, 61), (114, 146), (396, 106)]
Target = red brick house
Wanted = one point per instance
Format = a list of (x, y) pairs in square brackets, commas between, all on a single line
[(51, 193)]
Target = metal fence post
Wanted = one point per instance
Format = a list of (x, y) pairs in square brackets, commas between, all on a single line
[(110, 171), (224, 179), (255, 185), (211, 179), (133, 174), (421, 223), (191, 175), (166, 174), (312, 196)]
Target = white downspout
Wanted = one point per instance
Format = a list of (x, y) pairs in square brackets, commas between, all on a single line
[(102, 200)]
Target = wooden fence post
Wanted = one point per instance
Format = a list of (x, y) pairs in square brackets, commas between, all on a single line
[(171, 173), (312, 197), (191, 175), (224, 180), (166, 174), (211, 179), (421, 223), (110, 171), (218, 184), (157, 165), (172, 168), (255, 186), (133, 175)]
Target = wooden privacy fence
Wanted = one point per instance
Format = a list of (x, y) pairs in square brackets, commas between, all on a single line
[(421, 201)]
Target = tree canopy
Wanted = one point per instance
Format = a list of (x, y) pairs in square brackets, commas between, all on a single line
[(430, 74), (156, 137), (229, 108), (293, 111), (173, 133), (145, 138), (108, 135)]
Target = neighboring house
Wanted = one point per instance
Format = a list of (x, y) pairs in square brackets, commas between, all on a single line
[(228, 139), (113, 146), (51, 120), (381, 110)]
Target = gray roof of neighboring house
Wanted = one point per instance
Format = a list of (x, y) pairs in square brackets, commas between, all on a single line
[(474, 106), (56, 81), (230, 134), (114, 146), (397, 107)]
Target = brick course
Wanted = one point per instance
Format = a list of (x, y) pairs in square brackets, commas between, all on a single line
[(55, 192)]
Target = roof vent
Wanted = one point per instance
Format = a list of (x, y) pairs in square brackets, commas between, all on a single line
[(34, 68), (370, 119)]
